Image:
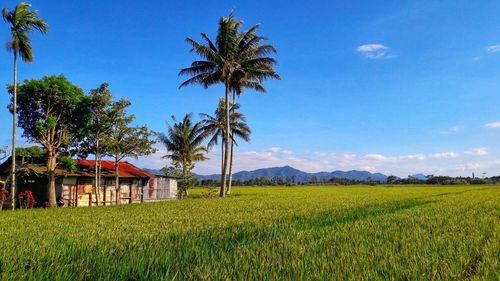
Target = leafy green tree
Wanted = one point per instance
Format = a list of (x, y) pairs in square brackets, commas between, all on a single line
[(99, 127), (22, 21), (33, 154), (186, 176), (392, 179), (125, 140), (53, 113), (234, 57), (184, 144)]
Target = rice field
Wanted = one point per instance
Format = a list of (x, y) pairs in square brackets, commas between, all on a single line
[(285, 233)]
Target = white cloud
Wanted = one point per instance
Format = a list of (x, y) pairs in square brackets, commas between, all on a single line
[(375, 157), (493, 49), (371, 48), (416, 157), (350, 156), (469, 166), (452, 130), (374, 51), (275, 149), (493, 125), (153, 161), (380, 157), (480, 151), (444, 155)]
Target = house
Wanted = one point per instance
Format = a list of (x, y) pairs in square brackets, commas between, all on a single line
[(76, 188)]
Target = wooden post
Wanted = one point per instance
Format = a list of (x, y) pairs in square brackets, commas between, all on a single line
[(104, 195), (76, 192), (142, 188), (130, 193)]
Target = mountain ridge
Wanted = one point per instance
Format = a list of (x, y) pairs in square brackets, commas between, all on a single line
[(299, 176)]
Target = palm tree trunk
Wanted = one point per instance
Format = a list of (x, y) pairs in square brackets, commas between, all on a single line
[(222, 157), (226, 143), (229, 184), (14, 128), (184, 176)]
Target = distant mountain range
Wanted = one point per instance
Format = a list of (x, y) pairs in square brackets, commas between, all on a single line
[(298, 175)]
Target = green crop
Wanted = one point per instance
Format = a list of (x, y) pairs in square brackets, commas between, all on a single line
[(265, 233)]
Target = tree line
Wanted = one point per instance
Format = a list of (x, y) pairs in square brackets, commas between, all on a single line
[(59, 117), (290, 181)]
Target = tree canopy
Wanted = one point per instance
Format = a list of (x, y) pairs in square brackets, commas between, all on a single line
[(52, 112), (125, 140)]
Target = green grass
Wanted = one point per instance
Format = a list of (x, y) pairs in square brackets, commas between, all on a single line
[(313, 233)]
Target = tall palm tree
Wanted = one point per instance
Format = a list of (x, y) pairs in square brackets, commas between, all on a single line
[(184, 144), (235, 56), (251, 78), (22, 21), (214, 127)]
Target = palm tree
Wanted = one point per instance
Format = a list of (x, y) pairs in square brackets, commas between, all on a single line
[(252, 78), (235, 56), (214, 126), (22, 21), (183, 142)]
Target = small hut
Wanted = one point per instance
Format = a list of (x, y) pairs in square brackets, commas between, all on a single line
[(76, 189), (161, 187)]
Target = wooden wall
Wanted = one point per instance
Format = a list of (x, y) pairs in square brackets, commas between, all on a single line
[(79, 192)]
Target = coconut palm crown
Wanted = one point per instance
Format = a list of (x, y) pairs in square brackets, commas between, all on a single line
[(22, 21), (184, 141), (214, 126)]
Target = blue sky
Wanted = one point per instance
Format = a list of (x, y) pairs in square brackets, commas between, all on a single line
[(397, 87)]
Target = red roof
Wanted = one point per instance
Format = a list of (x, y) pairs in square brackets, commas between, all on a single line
[(126, 170)]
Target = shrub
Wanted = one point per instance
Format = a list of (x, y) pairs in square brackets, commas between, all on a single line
[(26, 199)]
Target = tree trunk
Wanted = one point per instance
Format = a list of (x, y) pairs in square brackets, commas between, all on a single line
[(222, 157), (117, 181), (14, 128), (229, 184), (51, 172), (184, 177), (226, 143), (99, 173), (96, 168), (97, 182), (95, 175)]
